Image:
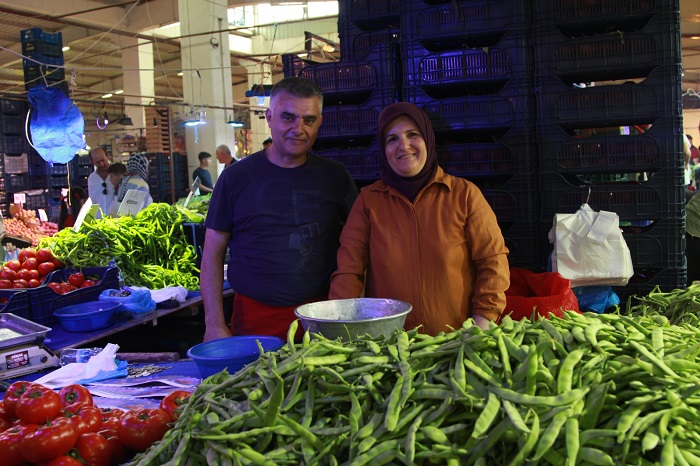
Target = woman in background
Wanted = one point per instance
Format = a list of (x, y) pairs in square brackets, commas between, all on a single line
[(422, 236), (136, 178), (70, 207)]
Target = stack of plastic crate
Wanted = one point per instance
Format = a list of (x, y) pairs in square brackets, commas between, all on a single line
[(43, 59), (182, 176), (469, 66), (80, 169), (609, 124), (159, 180), (358, 87)]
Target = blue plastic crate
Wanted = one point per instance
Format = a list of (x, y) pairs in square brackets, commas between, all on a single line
[(35, 199), (43, 301), (599, 152), (609, 56), (657, 96), (36, 58), (513, 200), (15, 301), (660, 245), (17, 182), (195, 233), (13, 107), (58, 169), (644, 280), (362, 163), (357, 43), (574, 15), (524, 244), (14, 144), (13, 124), (661, 197), (370, 15)]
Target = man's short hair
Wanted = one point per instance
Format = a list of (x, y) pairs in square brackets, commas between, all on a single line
[(298, 87), (690, 138), (117, 168), (224, 148), (204, 155), (96, 150), (267, 141)]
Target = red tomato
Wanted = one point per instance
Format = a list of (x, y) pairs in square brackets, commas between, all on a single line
[(33, 283), (22, 274), (30, 264), (7, 273), (63, 460), (94, 449), (38, 404), (3, 414), (50, 440), (88, 283), (10, 441), (75, 394), (173, 403), (45, 268), (5, 284), (67, 288), (118, 451), (139, 429), (111, 417), (76, 279), (58, 263), (44, 255), (12, 395), (55, 286), (90, 414), (34, 273), (20, 283), (14, 264), (25, 254)]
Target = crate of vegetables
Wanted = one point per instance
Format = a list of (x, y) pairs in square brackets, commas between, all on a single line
[(66, 287), (15, 301)]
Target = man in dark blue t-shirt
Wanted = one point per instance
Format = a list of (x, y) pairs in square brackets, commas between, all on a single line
[(205, 183), (280, 211)]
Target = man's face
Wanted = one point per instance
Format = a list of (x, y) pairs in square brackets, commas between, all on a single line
[(100, 161), (221, 157), (294, 123)]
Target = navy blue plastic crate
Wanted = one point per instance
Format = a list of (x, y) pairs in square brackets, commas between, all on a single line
[(524, 244), (641, 103), (38, 35), (43, 301), (371, 15), (14, 144), (662, 196), (36, 72), (13, 124), (356, 43), (15, 302), (609, 55), (16, 164), (53, 210), (36, 58), (478, 23), (362, 163), (644, 280), (348, 81), (354, 122), (491, 114), (658, 148), (513, 154), (600, 14), (195, 233), (513, 200), (58, 169), (13, 107), (57, 181), (16, 182), (660, 245), (35, 199)]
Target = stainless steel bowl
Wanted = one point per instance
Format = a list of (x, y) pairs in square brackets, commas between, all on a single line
[(348, 319)]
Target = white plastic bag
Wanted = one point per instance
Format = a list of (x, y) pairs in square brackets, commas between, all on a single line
[(589, 248)]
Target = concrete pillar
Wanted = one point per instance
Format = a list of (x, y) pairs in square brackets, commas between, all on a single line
[(258, 74), (206, 64), (137, 62)]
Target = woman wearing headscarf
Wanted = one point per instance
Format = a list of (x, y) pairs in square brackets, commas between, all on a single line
[(422, 236), (136, 177)]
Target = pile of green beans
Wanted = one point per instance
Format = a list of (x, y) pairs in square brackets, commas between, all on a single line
[(584, 389), (679, 306), (151, 249)]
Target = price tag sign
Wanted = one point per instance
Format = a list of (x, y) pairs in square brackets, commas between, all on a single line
[(64, 192), (87, 213), (133, 202), (20, 198), (42, 215)]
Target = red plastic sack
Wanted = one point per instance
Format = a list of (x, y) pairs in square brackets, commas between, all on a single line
[(548, 292)]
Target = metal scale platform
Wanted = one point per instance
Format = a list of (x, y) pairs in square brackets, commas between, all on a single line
[(21, 347)]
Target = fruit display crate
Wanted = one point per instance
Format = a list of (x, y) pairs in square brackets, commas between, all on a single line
[(510, 155), (657, 148), (362, 163), (35, 39), (608, 55), (13, 106), (492, 114), (348, 81), (524, 244), (470, 70), (81, 165), (578, 15), (357, 43), (629, 103), (195, 233), (13, 124), (43, 301), (370, 15), (14, 144), (645, 280), (479, 23), (15, 301), (16, 182), (660, 245), (662, 196), (35, 199), (16, 164)]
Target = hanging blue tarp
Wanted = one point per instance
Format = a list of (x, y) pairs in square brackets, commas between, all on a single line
[(56, 124)]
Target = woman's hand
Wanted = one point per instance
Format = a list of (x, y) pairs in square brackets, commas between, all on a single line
[(482, 322)]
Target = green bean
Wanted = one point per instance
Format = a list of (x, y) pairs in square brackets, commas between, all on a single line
[(572, 441), (529, 444), (550, 434)]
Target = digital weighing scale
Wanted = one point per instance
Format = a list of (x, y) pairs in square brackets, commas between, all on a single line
[(21, 347)]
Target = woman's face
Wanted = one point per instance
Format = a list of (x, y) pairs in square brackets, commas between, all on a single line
[(405, 147)]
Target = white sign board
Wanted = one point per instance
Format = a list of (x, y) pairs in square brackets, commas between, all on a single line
[(20, 198), (42, 215), (133, 202), (88, 212)]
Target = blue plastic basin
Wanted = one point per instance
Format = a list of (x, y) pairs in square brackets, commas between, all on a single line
[(85, 317), (230, 353)]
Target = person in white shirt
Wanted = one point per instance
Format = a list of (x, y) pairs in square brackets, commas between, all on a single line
[(99, 191)]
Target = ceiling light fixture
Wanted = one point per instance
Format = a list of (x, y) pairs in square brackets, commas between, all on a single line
[(107, 95), (235, 123), (65, 48), (180, 73), (119, 91)]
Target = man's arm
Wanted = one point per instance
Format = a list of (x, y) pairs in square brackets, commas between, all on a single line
[(211, 279)]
